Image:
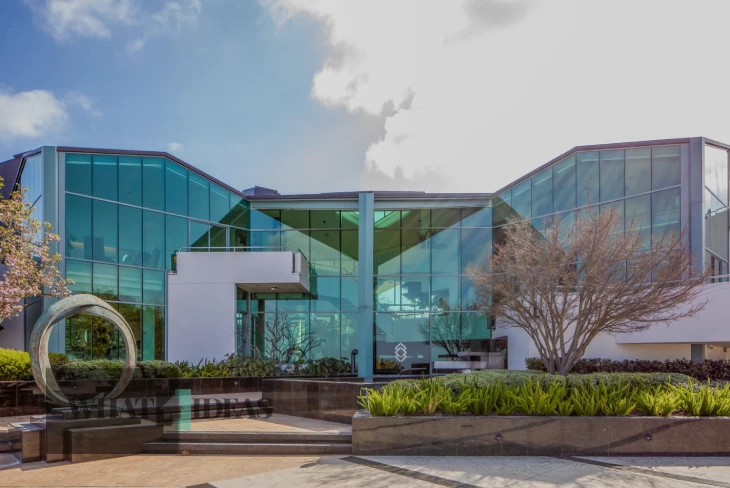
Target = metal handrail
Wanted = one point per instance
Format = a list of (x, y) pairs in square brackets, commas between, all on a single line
[(182, 249)]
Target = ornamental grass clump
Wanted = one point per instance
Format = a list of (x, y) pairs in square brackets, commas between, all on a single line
[(703, 401), (658, 401), (534, 399)]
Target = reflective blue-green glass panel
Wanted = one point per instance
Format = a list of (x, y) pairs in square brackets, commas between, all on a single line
[(130, 284), (542, 193), (297, 241), (133, 315), (387, 219), (638, 171), (328, 295), (78, 173), (219, 204), (416, 218), (387, 293), (476, 217), (350, 254), (239, 212), (264, 240), (503, 208), (386, 251), (176, 188), (153, 237), (415, 293), (130, 236), (445, 293), (239, 239), (130, 180), (325, 219), (153, 183), (348, 334), (409, 329), (350, 219), (612, 174), (105, 176), (587, 163), (105, 231), (468, 295), (522, 199), (637, 216), (665, 212), (153, 332), (350, 293), (293, 302), (325, 252), (105, 281), (154, 287), (415, 251), (716, 172), (199, 196), (199, 235), (445, 252), (80, 273), (618, 207), (564, 184), (218, 238), (176, 237), (665, 166), (295, 219), (476, 247), (445, 217), (265, 219), (325, 329), (78, 227)]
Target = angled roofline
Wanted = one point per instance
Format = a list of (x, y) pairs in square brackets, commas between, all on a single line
[(159, 154), (598, 147)]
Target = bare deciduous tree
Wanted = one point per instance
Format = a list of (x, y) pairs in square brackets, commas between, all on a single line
[(284, 341), (572, 281)]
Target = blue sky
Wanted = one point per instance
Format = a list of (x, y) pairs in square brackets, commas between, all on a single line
[(231, 87), (331, 95)]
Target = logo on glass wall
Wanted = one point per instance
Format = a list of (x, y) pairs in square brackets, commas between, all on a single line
[(400, 352)]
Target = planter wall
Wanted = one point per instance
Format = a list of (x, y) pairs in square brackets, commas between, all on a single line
[(332, 400), (24, 397), (540, 436)]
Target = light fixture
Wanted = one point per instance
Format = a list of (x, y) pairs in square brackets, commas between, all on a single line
[(273, 288)]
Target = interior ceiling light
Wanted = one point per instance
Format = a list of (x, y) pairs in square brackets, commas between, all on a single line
[(273, 288)]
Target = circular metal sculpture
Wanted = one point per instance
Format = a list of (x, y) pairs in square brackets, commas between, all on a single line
[(76, 305)]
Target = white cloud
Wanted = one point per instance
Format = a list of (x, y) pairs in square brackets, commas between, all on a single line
[(85, 18), (83, 102), (481, 92), (175, 148), (64, 19), (30, 114)]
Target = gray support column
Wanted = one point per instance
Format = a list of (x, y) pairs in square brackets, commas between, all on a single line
[(365, 334), (692, 215), (698, 353)]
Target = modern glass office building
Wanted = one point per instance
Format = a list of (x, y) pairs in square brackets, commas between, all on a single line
[(388, 269)]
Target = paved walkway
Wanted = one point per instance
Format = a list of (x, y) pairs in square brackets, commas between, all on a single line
[(375, 472), (275, 423)]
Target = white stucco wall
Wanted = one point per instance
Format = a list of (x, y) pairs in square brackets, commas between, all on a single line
[(201, 297), (710, 327)]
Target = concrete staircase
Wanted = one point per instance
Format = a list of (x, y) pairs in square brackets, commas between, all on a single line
[(215, 442)]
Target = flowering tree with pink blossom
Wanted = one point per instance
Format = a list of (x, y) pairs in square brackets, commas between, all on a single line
[(28, 268)]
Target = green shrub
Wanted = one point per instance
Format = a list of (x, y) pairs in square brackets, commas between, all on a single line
[(249, 366), (14, 365), (325, 367), (158, 369), (704, 401), (531, 398), (57, 359)]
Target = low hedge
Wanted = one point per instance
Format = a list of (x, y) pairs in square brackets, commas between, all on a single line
[(15, 366), (456, 381), (715, 370)]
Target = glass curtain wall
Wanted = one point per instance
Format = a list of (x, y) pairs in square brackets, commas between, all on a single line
[(424, 305), (716, 211), (326, 319), (126, 218), (642, 183)]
